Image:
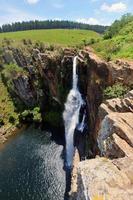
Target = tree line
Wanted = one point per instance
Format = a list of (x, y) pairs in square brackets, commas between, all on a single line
[(50, 24)]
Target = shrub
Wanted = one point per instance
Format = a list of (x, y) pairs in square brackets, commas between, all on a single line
[(26, 116), (31, 115), (89, 42), (6, 41), (10, 71), (36, 114), (117, 90), (12, 119), (24, 41)]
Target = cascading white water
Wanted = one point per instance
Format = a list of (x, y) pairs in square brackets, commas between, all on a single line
[(75, 76), (81, 126), (71, 115)]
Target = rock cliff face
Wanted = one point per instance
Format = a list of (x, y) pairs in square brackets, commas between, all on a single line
[(48, 76), (101, 178), (110, 177), (48, 73), (24, 90), (46, 83), (115, 135)]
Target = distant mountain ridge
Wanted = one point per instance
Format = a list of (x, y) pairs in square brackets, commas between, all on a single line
[(50, 24)]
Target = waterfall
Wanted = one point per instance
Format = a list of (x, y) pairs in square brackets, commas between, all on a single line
[(81, 126), (75, 77), (71, 115)]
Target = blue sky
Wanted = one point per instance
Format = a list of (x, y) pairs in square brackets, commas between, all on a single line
[(87, 11)]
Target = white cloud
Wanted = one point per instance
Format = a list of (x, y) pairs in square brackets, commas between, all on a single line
[(94, 21), (90, 20), (116, 7), (32, 1)]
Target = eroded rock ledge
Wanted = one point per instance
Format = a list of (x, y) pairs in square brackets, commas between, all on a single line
[(102, 178), (110, 177)]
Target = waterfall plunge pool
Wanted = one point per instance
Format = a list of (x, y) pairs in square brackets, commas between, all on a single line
[(31, 167)]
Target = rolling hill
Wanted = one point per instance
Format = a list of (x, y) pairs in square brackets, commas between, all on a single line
[(53, 36)]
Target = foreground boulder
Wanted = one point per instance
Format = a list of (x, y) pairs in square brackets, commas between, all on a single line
[(102, 179)]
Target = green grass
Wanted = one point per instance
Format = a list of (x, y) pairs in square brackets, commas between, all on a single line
[(6, 106), (53, 36), (119, 46)]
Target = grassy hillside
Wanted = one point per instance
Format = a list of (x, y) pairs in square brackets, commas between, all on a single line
[(53, 36), (119, 44)]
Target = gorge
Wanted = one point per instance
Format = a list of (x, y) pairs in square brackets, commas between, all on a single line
[(44, 81)]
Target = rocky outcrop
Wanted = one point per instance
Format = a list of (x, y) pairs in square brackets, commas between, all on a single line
[(121, 71), (5, 133), (48, 72), (115, 132), (8, 56), (110, 177), (101, 178), (24, 90)]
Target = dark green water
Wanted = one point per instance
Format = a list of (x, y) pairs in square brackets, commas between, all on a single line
[(31, 167)]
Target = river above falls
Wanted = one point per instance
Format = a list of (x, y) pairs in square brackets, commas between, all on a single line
[(31, 167)]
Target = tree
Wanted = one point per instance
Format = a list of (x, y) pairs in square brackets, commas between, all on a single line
[(50, 24)]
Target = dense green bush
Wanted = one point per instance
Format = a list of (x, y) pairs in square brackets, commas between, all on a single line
[(117, 90), (31, 115), (36, 114), (25, 116)]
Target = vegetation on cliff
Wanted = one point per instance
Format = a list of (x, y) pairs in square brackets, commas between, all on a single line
[(25, 74), (117, 41), (8, 116), (114, 91)]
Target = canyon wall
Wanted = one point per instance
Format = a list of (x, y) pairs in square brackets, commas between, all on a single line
[(44, 77), (110, 174), (44, 81)]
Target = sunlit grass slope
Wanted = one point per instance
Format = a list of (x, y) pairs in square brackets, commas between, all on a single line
[(53, 36), (119, 46)]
